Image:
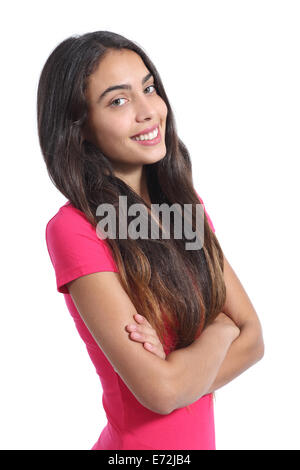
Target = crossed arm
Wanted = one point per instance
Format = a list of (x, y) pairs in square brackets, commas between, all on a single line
[(245, 351), (248, 348)]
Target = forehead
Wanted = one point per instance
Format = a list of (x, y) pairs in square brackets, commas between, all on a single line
[(117, 67)]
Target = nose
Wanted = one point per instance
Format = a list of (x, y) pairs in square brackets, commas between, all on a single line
[(145, 109)]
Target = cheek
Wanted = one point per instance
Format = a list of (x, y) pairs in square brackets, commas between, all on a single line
[(108, 130), (163, 108), (113, 134)]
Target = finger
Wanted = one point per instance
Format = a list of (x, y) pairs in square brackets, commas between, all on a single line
[(157, 351), (143, 329), (146, 326), (142, 337), (147, 331), (142, 320), (150, 343)]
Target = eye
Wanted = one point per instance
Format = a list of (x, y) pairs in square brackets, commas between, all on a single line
[(117, 99), (151, 86)]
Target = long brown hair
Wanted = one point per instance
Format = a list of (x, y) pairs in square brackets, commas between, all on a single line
[(172, 287)]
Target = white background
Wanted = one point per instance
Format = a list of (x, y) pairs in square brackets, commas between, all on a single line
[(231, 72)]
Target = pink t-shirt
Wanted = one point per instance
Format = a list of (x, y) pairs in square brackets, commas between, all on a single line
[(76, 250)]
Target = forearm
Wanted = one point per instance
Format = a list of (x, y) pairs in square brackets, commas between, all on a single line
[(194, 368), (243, 353)]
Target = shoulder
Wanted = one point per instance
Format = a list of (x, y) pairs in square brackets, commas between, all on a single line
[(74, 246), (69, 231), (70, 223), (67, 216), (69, 228)]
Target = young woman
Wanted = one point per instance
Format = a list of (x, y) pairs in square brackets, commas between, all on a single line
[(198, 329)]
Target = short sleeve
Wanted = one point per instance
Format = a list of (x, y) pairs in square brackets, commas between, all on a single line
[(207, 216), (74, 247)]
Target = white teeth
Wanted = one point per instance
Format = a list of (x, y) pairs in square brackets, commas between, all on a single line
[(150, 136)]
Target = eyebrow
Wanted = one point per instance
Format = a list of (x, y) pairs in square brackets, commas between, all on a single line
[(124, 86)]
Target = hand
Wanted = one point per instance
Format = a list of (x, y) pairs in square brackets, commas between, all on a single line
[(225, 320), (147, 335)]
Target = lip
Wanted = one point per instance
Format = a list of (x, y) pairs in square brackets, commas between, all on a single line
[(150, 143), (145, 131)]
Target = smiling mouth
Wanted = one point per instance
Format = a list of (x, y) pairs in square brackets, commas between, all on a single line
[(147, 136), (154, 139)]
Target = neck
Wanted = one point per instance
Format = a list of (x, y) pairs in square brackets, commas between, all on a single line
[(137, 181)]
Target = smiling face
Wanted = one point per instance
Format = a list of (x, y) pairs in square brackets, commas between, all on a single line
[(119, 114)]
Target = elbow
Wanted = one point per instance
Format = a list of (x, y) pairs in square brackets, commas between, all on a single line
[(168, 402), (155, 399), (160, 409), (166, 408), (261, 350), (258, 348), (260, 345), (254, 340), (163, 403), (164, 411), (158, 406)]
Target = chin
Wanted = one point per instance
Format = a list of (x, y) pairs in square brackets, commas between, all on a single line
[(154, 159)]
